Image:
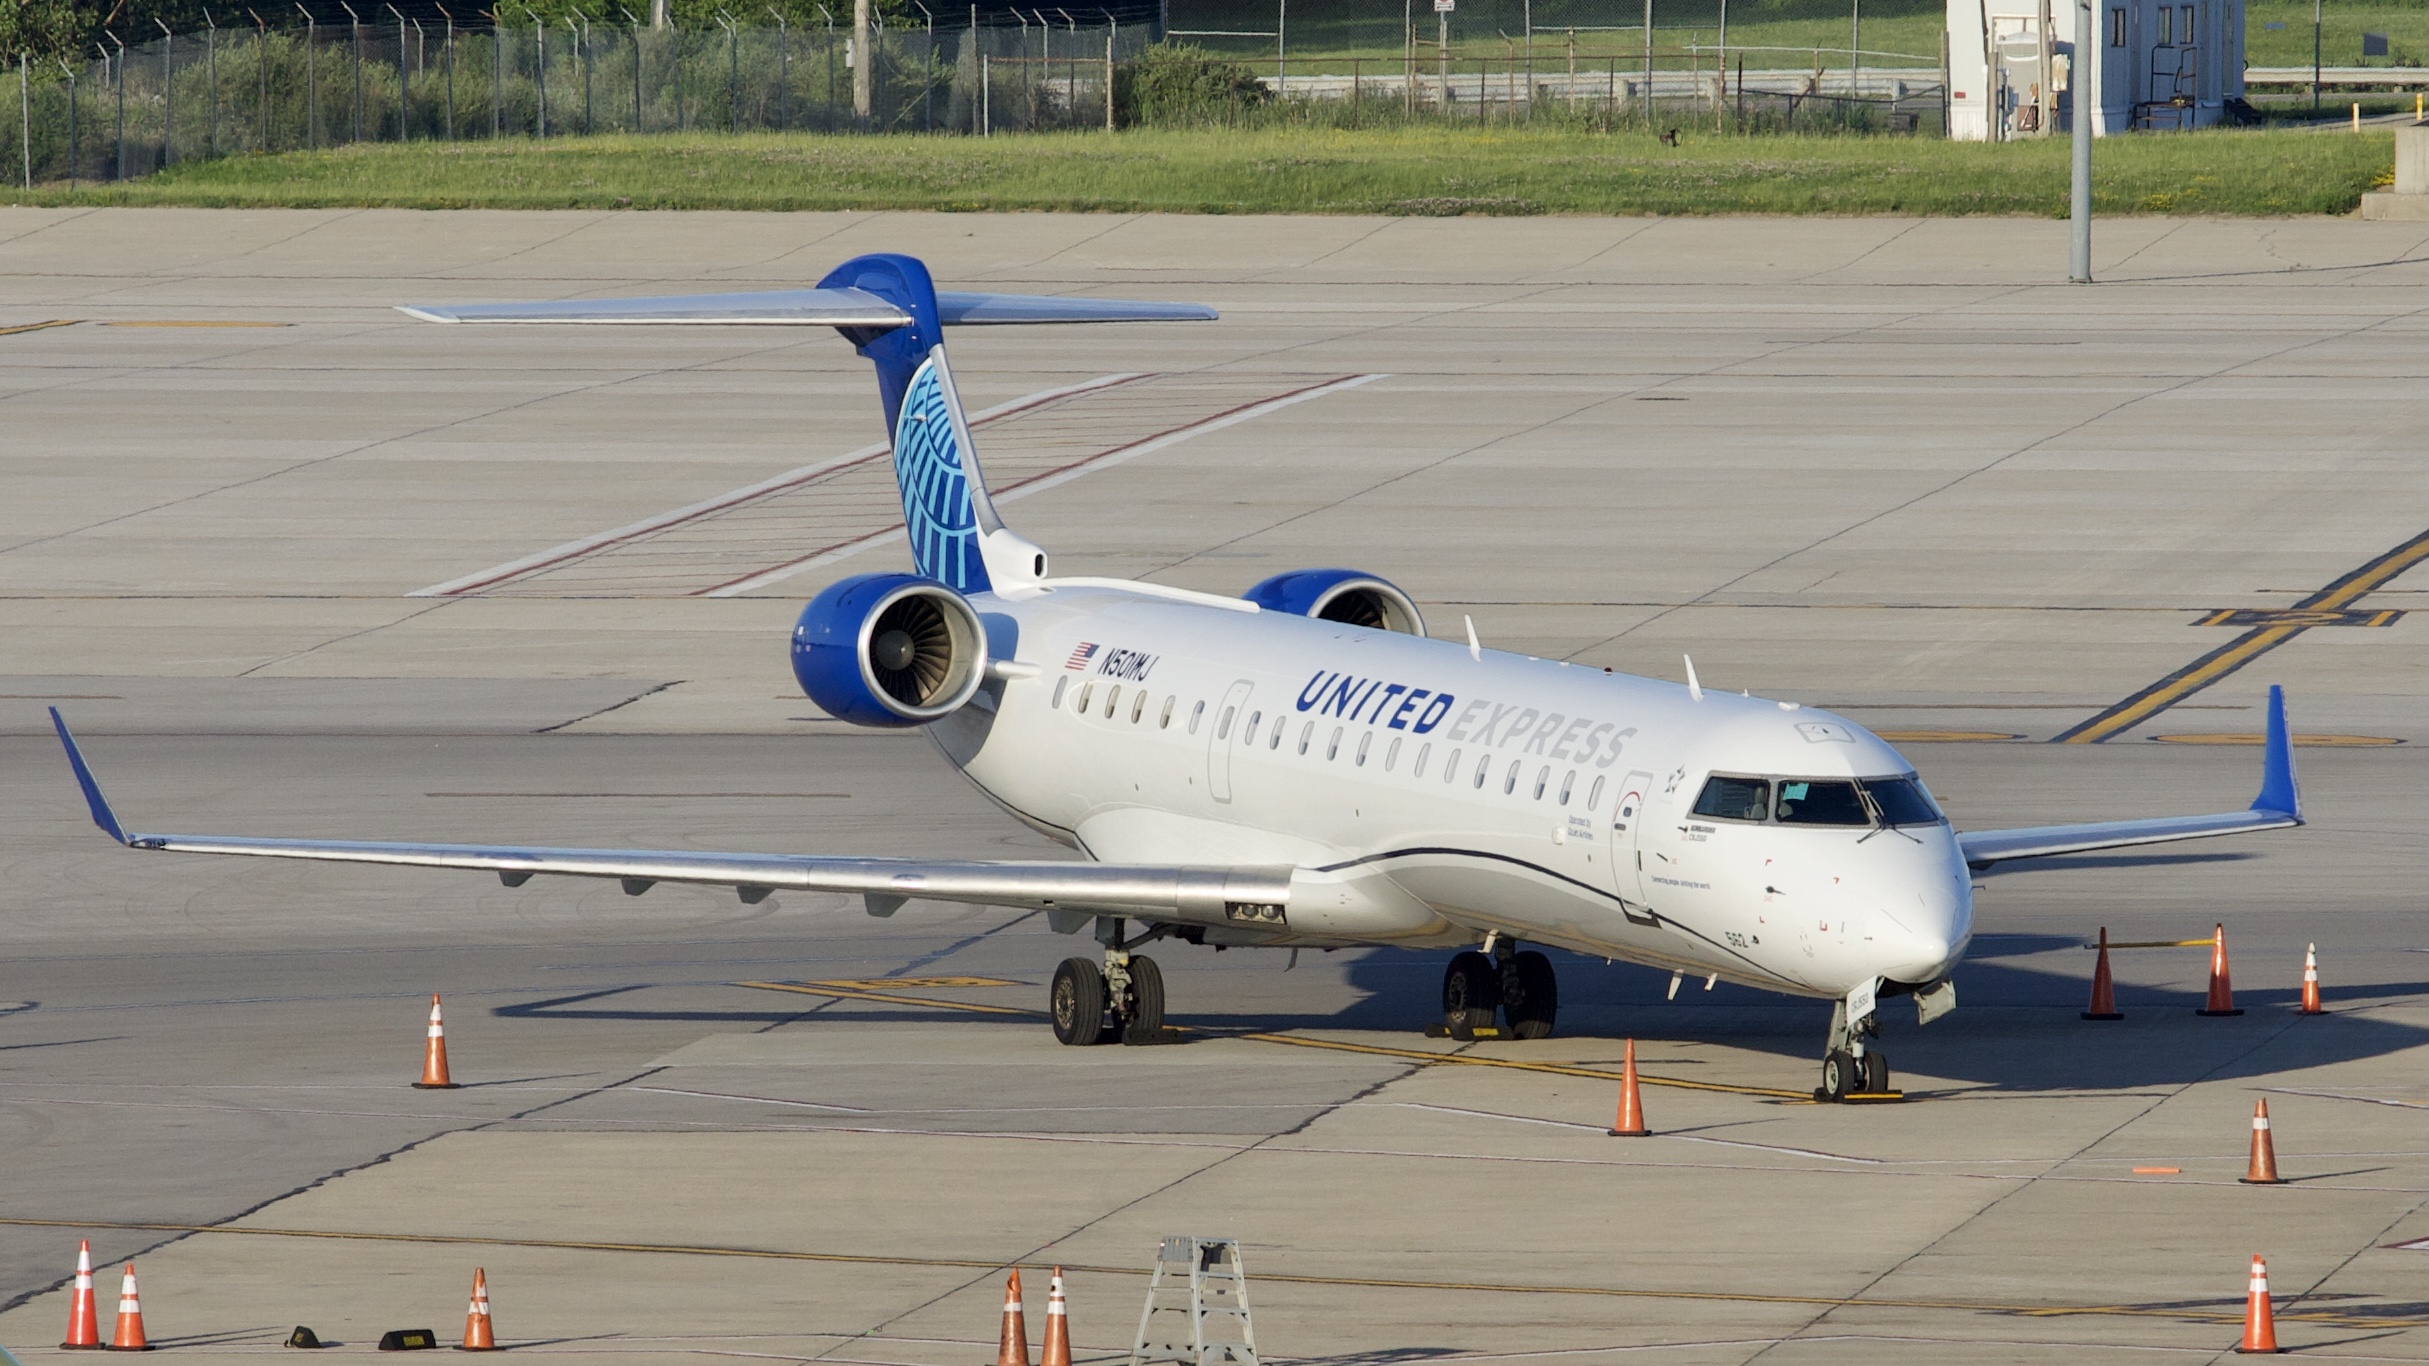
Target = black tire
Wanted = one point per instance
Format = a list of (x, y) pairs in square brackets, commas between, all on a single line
[(1143, 1022), (1530, 996), (1077, 1002), (1876, 1071), (1471, 993), (1838, 1075)]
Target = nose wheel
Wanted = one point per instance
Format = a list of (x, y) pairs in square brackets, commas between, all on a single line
[(1853, 1067)]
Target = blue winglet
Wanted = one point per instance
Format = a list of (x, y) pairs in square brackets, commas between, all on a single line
[(102, 815), (2278, 790)]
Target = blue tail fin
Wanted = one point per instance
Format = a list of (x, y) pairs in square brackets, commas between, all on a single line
[(944, 498)]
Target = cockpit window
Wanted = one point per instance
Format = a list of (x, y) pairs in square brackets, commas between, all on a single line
[(1902, 801), (1734, 799), (1813, 802)]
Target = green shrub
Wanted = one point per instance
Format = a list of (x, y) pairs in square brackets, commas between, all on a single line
[(1181, 83)]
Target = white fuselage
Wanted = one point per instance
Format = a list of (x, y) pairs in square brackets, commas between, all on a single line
[(1429, 796)]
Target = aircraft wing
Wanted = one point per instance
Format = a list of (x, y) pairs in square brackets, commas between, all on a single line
[(2278, 806), (1198, 893)]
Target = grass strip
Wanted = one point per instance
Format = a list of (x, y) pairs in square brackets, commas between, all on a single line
[(1404, 172)]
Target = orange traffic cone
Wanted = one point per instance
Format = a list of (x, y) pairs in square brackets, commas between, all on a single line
[(1057, 1349), (2310, 981), (1631, 1120), (2222, 991), (434, 1056), (2263, 1170), (129, 1337), (477, 1334), (1014, 1349), (83, 1323), (2259, 1320), (2104, 987)]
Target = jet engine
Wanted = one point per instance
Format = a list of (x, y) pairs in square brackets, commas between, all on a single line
[(889, 650), (1343, 595)]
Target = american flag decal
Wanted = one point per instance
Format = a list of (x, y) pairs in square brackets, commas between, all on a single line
[(1080, 657)]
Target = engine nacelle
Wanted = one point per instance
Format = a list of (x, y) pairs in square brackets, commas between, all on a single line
[(889, 650), (1343, 595)]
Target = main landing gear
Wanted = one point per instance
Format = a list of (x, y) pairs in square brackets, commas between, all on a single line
[(1853, 1065), (1499, 977), (1121, 1001)]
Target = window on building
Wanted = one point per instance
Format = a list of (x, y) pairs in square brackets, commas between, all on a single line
[(2187, 26), (2166, 36), (2117, 28)]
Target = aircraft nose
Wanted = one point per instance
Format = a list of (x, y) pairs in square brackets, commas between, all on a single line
[(1933, 928)]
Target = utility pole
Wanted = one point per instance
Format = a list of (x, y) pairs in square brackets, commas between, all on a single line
[(2315, 58), (864, 71), (657, 15), (2079, 97)]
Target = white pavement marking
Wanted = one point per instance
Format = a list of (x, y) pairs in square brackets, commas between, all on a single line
[(1103, 460), (572, 550)]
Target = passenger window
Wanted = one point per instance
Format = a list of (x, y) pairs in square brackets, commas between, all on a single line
[(1249, 736), (1391, 756), (1113, 700), (1165, 721), (1306, 733), (1819, 803), (1332, 746), (1223, 727), (1196, 714), (1450, 767), (1543, 777), (1423, 753), (1509, 781), (1276, 741), (1567, 781), (1734, 799), (1082, 705), (1484, 764), (1594, 795), (1059, 685), (1363, 742), (1139, 707)]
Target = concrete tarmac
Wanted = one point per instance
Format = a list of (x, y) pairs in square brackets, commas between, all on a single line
[(295, 564)]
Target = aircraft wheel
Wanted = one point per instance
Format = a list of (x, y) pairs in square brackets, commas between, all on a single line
[(1530, 996), (1077, 1002), (1471, 992), (1144, 1021), (1838, 1075), (1876, 1070)]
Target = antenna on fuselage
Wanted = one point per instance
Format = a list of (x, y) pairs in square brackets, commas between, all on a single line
[(1475, 650), (1694, 688)]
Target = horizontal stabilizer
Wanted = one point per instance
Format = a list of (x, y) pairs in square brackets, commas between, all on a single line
[(855, 308)]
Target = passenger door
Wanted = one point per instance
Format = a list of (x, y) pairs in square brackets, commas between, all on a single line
[(1227, 719), (1627, 823)]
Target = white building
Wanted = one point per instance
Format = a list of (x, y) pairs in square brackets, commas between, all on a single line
[(2162, 64)]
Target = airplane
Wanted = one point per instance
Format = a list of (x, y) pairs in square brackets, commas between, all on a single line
[(1303, 766)]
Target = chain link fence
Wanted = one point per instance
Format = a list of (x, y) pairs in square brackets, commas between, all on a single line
[(129, 111)]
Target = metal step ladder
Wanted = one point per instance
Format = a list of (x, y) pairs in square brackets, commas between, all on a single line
[(1203, 1322)]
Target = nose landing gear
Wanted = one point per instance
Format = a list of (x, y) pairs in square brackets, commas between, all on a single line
[(1518, 984), (1853, 1067)]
